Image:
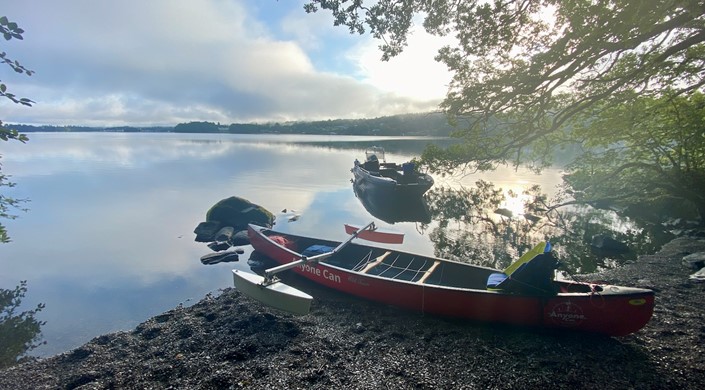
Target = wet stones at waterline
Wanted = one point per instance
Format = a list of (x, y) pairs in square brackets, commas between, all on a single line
[(226, 227)]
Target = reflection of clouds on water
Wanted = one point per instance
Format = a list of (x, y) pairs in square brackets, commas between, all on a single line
[(127, 214), (52, 153)]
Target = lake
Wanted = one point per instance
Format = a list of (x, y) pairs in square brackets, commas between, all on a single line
[(108, 239)]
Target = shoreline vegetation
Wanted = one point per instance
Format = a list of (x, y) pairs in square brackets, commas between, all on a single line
[(425, 124), (230, 341)]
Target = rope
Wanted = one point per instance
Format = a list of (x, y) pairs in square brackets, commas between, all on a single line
[(367, 259), (594, 292), (593, 289), (407, 268)]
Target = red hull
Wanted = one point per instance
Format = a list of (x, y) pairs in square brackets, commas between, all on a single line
[(614, 311)]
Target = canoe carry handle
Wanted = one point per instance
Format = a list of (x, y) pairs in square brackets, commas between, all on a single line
[(270, 272)]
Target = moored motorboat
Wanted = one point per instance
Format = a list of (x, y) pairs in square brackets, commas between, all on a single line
[(377, 175), (523, 294)]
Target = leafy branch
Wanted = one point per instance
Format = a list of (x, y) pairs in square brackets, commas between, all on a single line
[(10, 30)]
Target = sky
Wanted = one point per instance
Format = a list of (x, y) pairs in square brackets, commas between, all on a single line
[(164, 62)]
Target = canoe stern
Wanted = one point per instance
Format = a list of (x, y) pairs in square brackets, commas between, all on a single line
[(615, 311)]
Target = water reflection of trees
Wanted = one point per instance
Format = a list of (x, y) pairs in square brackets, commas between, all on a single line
[(20, 332), (470, 225)]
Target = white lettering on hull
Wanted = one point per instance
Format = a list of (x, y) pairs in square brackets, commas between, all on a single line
[(567, 314), (317, 272)]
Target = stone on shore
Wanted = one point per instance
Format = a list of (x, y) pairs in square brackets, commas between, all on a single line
[(695, 261)]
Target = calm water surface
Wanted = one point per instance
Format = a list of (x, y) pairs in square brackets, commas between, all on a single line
[(108, 239)]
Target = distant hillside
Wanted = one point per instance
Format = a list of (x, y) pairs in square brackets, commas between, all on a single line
[(429, 124)]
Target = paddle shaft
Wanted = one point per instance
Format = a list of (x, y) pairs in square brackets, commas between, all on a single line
[(269, 273)]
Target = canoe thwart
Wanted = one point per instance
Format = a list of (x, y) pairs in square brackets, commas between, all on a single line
[(428, 272), (375, 262)]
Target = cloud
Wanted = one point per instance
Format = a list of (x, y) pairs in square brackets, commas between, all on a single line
[(164, 62), (413, 73)]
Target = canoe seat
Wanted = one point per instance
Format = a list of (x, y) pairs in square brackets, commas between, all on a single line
[(533, 276)]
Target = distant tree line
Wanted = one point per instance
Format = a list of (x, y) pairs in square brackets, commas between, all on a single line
[(429, 124), (85, 129), (398, 125)]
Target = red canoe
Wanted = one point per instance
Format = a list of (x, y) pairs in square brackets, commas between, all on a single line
[(449, 288)]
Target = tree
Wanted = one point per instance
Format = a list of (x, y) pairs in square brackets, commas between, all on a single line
[(526, 71), (10, 30), (655, 158)]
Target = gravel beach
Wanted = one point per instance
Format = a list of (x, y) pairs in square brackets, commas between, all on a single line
[(230, 342)]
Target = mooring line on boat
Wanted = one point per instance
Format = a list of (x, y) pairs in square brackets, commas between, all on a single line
[(602, 298)]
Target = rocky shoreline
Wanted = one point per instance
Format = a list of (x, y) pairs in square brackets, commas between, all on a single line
[(229, 341)]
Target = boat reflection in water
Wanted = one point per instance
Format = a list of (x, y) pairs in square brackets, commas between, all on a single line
[(386, 205)]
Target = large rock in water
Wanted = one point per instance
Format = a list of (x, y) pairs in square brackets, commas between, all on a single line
[(238, 212), (226, 222)]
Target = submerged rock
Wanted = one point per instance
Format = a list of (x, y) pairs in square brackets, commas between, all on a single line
[(219, 246), (221, 257)]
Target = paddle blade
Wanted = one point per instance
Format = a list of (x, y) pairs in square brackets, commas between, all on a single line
[(277, 295), (376, 235)]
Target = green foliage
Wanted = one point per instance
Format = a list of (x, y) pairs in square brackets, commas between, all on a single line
[(10, 30), (7, 134), (196, 127), (20, 332), (647, 151)]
